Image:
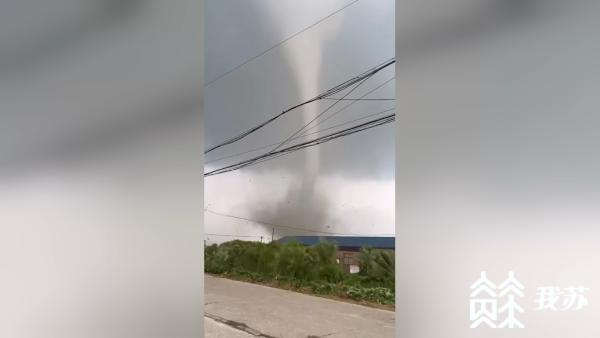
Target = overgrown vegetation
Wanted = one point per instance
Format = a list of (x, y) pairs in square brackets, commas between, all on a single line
[(311, 269)]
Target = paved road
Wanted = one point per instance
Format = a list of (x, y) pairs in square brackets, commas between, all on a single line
[(237, 309), (215, 329)]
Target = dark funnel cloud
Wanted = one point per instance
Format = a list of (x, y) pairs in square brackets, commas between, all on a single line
[(348, 43)]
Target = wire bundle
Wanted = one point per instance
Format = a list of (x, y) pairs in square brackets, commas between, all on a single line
[(326, 138), (326, 94)]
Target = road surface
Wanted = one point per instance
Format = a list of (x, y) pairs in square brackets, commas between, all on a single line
[(215, 329), (238, 309)]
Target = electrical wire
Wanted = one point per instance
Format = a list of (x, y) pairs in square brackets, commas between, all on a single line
[(338, 88), (299, 146), (351, 103), (363, 78), (230, 235), (284, 142), (306, 133), (279, 43), (298, 137), (358, 99), (326, 138), (293, 227)]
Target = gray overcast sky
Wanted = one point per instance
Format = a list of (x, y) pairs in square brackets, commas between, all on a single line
[(344, 186)]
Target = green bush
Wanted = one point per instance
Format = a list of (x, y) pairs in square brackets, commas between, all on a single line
[(311, 268), (324, 259), (377, 267), (295, 262), (379, 295), (266, 259)]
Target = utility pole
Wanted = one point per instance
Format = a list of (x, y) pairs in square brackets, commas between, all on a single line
[(261, 238), (272, 234)]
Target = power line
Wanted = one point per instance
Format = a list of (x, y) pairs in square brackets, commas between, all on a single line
[(326, 138), (332, 91), (351, 103), (313, 142), (316, 117), (363, 78), (300, 136), (292, 227), (359, 99), (280, 43), (366, 74), (338, 88), (362, 97), (267, 223), (230, 235)]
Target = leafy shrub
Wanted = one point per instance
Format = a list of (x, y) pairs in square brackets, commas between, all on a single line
[(325, 288), (311, 268), (377, 266), (324, 259), (377, 294), (294, 261)]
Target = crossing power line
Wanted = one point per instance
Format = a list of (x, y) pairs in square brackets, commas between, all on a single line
[(328, 93), (353, 101), (307, 131), (299, 136), (284, 142), (326, 138)]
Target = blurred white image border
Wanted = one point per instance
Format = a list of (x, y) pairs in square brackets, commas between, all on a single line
[(101, 168), (496, 165)]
